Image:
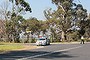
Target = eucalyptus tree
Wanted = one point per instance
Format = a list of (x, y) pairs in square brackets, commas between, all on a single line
[(33, 24), (52, 22), (63, 14), (18, 7), (81, 18), (13, 28), (87, 28)]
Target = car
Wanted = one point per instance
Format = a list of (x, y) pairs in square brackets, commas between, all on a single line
[(42, 41)]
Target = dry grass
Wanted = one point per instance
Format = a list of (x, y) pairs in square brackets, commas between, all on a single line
[(5, 47)]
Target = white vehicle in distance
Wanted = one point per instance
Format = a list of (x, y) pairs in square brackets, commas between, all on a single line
[(42, 41)]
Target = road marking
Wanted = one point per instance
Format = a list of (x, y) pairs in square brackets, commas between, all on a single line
[(49, 53)]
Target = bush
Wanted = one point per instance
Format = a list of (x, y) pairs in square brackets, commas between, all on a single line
[(74, 36), (33, 40), (87, 40)]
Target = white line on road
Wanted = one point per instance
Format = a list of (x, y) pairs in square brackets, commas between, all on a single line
[(49, 53)]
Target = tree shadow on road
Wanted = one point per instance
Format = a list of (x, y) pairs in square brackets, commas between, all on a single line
[(13, 55), (60, 55)]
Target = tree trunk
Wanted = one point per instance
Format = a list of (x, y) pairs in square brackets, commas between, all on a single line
[(62, 36), (27, 38)]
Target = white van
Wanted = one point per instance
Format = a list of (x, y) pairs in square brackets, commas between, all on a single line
[(43, 41)]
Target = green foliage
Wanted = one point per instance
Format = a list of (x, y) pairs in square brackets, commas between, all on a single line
[(87, 28), (43, 26), (68, 12), (13, 28), (63, 14), (80, 16), (67, 15), (9, 47), (33, 24), (73, 36), (23, 5), (16, 23), (33, 40)]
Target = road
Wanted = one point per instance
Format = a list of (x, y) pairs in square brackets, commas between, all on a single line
[(51, 52)]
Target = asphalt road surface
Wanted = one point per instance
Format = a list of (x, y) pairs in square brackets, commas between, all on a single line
[(52, 52)]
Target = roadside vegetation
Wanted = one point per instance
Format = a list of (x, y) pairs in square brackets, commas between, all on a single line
[(4, 47), (7, 47), (10, 47), (67, 23)]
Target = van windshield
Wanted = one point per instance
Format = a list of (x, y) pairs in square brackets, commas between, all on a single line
[(41, 39)]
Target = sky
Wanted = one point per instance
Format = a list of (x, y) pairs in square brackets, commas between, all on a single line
[(38, 6)]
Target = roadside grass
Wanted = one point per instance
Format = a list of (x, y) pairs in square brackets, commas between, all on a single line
[(10, 47), (6, 47)]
